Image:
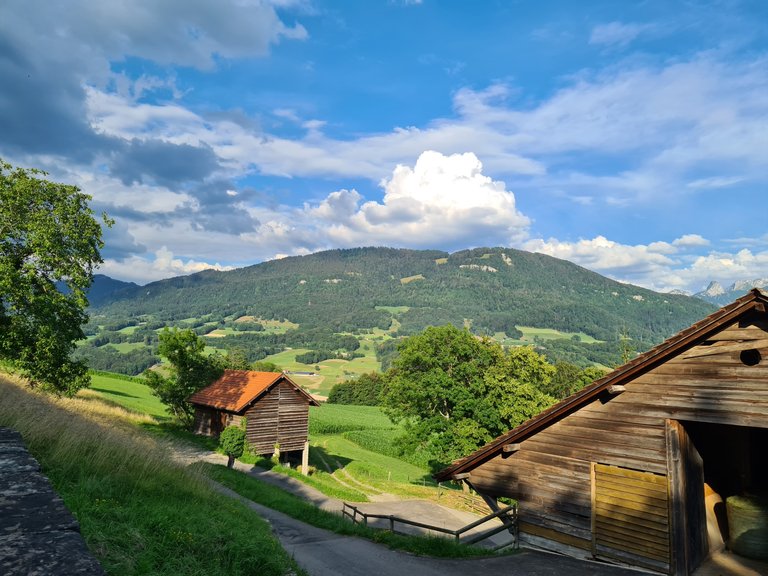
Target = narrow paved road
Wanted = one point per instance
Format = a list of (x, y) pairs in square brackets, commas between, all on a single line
[(324, 553)]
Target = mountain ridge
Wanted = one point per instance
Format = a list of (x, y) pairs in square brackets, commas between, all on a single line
[(491, 289)]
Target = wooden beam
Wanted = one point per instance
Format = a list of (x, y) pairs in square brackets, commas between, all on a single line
[(760, 307), (509, 448), (616, 389), (461, 476)]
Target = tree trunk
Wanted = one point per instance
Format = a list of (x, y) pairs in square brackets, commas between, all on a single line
[(230, 461)]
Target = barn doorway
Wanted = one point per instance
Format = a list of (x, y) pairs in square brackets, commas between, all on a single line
[(708, 463)]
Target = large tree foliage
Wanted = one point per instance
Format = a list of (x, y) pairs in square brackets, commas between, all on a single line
[(190, 371), (365, 390), (454, 392), (50, 244)]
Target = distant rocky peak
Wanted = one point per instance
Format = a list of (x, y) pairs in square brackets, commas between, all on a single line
[(744, 285), (714, 289)]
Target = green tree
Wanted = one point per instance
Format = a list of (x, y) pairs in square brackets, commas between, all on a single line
[(236, 359), (232, 443), (365, 390), (190, 371), (265, 366), (453, 392), (50, 245)]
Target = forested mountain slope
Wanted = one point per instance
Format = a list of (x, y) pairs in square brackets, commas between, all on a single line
[(490, 289)]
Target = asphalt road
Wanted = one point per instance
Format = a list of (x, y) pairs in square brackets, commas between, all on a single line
[(324, 553)]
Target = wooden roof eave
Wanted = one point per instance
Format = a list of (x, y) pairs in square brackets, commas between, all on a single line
[(312, 402), (698, 332)]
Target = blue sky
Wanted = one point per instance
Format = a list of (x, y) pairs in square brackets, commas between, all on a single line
[(628, 137)]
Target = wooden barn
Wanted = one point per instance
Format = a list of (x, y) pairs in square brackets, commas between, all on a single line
[(275, 408), (636, 467)]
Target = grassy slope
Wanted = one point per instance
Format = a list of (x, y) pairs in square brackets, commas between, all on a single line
[(139, 513), (355, 438), (132, 395)]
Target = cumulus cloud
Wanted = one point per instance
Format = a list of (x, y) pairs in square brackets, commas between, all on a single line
[(661, 266), (440, 201), (607, 256), (163, 265)]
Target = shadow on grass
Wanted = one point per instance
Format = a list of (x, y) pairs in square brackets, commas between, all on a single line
[(173, 430), (112, 392), (318, 455)]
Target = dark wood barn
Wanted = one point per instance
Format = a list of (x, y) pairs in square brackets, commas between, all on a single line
[(635, 467), (275, 408)]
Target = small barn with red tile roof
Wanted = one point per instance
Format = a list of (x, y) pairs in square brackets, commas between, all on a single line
[(635, 468), (275, 408)]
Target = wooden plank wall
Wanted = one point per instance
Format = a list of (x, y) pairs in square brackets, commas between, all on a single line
[(293, 424), (550, 474), (281, 416), (630, 519), (202, 422), (262, 421)]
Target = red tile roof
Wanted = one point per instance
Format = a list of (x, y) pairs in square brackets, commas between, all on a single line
[(236, 389), (754, 299)]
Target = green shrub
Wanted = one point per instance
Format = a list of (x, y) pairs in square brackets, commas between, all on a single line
[(232, 443)]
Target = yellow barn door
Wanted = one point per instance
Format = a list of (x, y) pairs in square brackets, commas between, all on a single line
[(630, 517)]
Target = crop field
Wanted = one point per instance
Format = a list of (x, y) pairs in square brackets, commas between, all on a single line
[(328, 372)]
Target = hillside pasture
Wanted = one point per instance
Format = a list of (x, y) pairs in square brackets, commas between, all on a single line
[(130, 394), (139, 512)]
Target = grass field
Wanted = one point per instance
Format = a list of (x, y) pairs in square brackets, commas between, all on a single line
[(124, 347), (132, 395), (530, 335), (139, 513), (347, 441)]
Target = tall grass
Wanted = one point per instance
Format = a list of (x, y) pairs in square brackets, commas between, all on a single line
[(139, 513)]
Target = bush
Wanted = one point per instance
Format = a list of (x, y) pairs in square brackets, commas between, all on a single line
[(232, 443)]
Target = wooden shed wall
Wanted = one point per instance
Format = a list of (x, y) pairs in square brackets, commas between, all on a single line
[(210, 421), (280, 416), (550, 474)]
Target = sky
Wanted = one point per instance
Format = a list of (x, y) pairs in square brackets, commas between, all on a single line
[(628, 137)]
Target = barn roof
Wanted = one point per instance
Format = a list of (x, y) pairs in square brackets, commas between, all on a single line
[(755, 299), (236, 389)]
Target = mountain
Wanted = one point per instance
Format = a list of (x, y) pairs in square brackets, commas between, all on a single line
[(716, 294), (105, 289), (491, 289)]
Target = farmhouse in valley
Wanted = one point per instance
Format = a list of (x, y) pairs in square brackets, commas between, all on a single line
[(276, 410), (636, 468)]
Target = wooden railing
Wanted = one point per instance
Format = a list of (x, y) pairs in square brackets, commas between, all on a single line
[(507, 515)]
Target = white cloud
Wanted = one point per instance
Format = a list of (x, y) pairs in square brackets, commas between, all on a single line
[(715, 182), (164, 265), (616, 33), (690, 240), (661, 266), (606, 256), (442, 200)]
